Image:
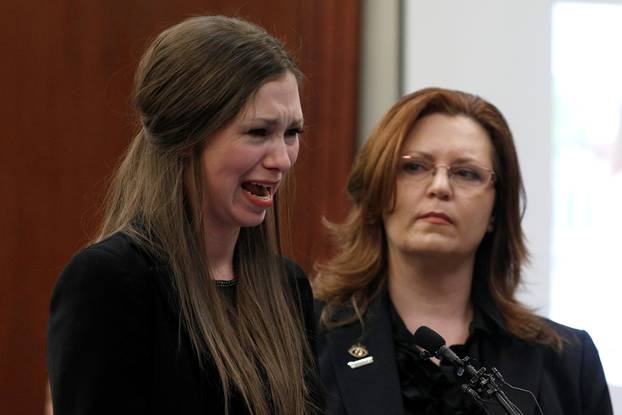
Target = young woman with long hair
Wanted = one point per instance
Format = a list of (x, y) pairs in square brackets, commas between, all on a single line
[(184, 304)]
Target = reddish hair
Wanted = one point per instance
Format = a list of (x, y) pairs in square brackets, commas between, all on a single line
[(356, 275)]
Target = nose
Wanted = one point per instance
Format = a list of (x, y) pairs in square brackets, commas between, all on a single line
[(280, 156), (440, 186)]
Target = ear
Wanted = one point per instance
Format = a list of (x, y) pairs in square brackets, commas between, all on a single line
[(491, 225)]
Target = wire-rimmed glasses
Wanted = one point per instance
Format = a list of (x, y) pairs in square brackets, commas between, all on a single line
[(465, 175)]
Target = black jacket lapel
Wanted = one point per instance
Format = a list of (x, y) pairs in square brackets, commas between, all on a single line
[(373, 388)]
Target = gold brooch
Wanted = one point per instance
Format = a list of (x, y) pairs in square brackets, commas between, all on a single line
[(358, 350)]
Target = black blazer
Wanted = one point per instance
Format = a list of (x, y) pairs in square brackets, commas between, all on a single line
[(115, 345), (570, 383)]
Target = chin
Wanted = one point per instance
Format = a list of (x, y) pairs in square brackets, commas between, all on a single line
[(250, 221), (430, 247), (435, 253)]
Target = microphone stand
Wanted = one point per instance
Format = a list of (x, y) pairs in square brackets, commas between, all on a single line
[(481, 386), (482, 383)]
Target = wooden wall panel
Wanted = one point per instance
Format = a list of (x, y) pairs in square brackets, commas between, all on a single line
[(66, 76)]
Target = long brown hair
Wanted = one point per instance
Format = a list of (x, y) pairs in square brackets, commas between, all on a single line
[(191, 82), (356, 275)]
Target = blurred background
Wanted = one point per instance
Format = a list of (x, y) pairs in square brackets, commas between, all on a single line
[(552, 67)]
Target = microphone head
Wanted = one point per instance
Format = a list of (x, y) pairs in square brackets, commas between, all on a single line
[(429, 340)]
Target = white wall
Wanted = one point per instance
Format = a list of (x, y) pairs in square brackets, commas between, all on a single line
[(379, 84), (499, 50)]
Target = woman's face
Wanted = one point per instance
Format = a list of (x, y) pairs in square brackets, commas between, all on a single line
[(244, 163), (435, 215)]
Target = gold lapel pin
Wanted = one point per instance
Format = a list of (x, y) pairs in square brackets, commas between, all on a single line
[(358, 350)]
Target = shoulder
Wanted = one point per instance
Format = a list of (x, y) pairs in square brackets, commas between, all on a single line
[(574, 340), (337, 314), (579, 363), (118, 249), (115, 263), (579, 353), (107, 287), (296, 277), (577, 360), (294, 271), (561, 329), (574, 344), (102, 323)]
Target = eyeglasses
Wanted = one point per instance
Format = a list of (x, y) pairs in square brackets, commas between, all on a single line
[(467, 175)]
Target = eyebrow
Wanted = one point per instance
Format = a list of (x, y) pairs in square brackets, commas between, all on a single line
[(428, 156), (417, 153), (271, 121)]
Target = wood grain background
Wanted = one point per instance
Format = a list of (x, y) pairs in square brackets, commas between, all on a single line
[(66, 72)]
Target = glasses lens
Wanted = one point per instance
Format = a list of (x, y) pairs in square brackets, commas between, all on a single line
[(415, 168), (469, 176)]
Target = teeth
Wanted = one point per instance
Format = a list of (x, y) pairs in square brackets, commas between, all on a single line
[(258, 190)]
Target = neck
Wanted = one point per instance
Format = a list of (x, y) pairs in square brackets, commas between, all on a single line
[(433, 292), (219, 248)]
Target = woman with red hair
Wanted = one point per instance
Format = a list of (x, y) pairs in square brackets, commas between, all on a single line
[(434, 239)]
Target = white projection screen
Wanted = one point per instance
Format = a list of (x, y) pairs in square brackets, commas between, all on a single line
[(554, 68)]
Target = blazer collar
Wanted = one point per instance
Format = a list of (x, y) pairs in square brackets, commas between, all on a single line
[(373, 388)]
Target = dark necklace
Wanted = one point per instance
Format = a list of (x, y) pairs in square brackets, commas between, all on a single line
[(226, 283)]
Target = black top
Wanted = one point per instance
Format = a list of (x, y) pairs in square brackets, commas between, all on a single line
[(568, 383), (429, 389), (228, 288), (115, 344)]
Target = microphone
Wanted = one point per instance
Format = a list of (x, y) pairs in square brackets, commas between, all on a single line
[(434, 343), (480, 382)]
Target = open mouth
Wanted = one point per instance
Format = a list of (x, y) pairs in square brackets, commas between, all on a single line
[(258, 190)]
